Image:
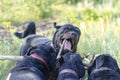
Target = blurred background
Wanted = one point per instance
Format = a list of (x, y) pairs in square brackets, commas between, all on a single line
[(98, 20)]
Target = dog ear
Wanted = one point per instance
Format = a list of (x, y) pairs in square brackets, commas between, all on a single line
[(55, 25), (99, 62), (29, 50)]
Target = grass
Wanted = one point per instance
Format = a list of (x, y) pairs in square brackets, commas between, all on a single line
[(101, 35), (7, 48)]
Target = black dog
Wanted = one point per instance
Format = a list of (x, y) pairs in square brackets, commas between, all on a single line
[(36, 66), (72, 67), (104, 67), (67, 31)]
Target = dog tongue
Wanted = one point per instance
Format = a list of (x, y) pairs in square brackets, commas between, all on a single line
[(67, 45)]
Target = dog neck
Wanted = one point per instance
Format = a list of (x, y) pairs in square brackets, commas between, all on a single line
[(68, 71), (34, 55)]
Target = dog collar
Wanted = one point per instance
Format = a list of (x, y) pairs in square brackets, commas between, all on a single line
[(68, 71), (100, 69), (34, 55)]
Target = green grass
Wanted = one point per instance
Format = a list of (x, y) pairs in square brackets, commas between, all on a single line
[(7, 48), (99, 25)]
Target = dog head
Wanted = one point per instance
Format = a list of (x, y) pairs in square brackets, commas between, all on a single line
[(104, 61), (70, 33), (46, 52), (74, 62)]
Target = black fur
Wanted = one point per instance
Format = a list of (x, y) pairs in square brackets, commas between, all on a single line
[(104, 67), (31, 68), (72, 62), (67, 31), (32, 41), (28, 31)]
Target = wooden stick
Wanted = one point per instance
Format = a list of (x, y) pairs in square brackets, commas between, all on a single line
[(11, 58), (59, 53), (91, 61)]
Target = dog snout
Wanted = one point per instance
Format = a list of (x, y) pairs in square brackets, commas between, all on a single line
[(70, 35), (73, 35)]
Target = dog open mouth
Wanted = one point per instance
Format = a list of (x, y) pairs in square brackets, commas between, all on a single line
[(68, 45)]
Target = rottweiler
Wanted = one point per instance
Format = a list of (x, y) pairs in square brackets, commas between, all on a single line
[(36, 66), (104, 67), (72, 67), (68, 31)]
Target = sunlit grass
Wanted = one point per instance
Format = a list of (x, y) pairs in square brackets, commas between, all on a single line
[(7, 47)]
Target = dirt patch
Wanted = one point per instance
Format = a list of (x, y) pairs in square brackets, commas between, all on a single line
[(4, 33)]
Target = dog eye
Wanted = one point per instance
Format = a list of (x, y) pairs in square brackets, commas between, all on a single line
[(68, 28)]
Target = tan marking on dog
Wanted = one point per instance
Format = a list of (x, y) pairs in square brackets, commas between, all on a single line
[(67, 35)]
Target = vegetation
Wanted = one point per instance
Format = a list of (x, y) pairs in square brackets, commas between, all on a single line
[(98, 21)]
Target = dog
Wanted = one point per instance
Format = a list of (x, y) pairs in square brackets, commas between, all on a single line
[(68, 31), (104, 67), (72, 67), (36, 66)]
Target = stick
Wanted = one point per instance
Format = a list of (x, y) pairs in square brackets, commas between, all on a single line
[(59, 53), (11, 58), (91, 61)]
